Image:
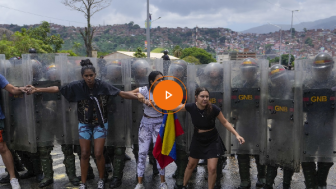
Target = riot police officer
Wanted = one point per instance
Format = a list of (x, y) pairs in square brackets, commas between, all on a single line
[(178, 69), (165, 56), (246, 118), (318, 135), (280, 150)]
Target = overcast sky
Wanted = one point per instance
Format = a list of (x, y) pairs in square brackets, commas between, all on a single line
[(237, 15)]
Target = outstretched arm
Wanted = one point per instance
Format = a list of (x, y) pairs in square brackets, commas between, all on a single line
[(228, 126), (132, 95), (31, 89), (15, 90), (180, 107)]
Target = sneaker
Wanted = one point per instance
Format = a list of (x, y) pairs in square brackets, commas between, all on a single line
[(163, 185), (15, 183), (82, 186), (139, 186), (101, 184)]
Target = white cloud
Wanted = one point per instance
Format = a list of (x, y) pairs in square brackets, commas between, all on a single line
[(237, 14)]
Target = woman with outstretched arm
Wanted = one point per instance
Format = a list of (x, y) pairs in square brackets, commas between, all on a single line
[(91, 95)]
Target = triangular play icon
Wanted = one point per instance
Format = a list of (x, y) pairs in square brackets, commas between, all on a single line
[(168, 95)]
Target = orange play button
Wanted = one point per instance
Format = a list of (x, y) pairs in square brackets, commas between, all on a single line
[(167, 94)]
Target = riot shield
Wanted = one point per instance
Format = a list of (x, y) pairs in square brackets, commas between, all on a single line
[(179, 72), (18, 109), (280, 121), (71, 71), (247, 105), (317, 100), (140, 69), (118, 74), (45, 72)]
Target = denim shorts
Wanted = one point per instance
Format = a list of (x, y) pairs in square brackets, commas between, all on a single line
[(87, 131)]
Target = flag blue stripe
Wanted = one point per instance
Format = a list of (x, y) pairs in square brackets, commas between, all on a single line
[(172, 153)]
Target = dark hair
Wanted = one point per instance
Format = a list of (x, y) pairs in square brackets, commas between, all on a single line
[(208, 107), (87, 64), (152, 76)]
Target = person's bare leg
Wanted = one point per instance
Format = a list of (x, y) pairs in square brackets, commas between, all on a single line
[(7, 159), (192, 163), (163, 178), (85, 146), (212, 172), (140, 180), (99, 154)]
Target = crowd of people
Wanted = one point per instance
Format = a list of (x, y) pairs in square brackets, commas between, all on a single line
[(241, 108)]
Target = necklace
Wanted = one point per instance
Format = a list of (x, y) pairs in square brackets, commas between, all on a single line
[(202, 114)]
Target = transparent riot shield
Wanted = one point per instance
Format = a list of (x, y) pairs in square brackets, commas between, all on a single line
[(70, 72), (19, 109), (280, 120), (178, 69), (140, 69), (247, 105), (317, 98), (118, 74), (45, 72)]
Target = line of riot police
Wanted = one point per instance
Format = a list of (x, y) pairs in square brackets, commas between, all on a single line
[(286, 116)]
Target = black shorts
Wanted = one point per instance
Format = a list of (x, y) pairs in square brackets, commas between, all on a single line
[(206, 145)]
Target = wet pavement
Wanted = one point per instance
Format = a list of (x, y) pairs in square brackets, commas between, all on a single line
[(229, 181)]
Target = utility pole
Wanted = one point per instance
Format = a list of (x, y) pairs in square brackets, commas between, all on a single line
[(147, 31), (289, 54)]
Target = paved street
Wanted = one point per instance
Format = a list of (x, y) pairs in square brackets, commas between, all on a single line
[(229, 181)]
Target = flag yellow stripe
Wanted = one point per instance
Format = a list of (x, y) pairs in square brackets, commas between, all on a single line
[(169, 135)]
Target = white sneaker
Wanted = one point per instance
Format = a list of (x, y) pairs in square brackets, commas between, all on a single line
[(15, 183), (139, 186), (163, 185)]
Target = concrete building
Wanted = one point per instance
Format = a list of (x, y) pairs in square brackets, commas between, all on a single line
[(127, 54)]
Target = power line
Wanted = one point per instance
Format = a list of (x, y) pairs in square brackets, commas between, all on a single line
[(41, 15)]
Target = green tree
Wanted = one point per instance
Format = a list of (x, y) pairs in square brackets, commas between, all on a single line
[(202, 55), (139, 53), (309, 42), (177, 51), (42, 33), (305, 29), (284, 59), (76, 46), (69, 52), (191, 59)]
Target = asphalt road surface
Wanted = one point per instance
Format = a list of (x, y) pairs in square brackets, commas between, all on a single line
[(229, 181)]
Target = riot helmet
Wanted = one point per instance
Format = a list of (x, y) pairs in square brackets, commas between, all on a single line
[(52, 73), (165, 52), (249, 69), (113, 70), (278, 75), (178, 69), (214, 74), (140, 69), (37, 69), (322, 66), (33, 53)]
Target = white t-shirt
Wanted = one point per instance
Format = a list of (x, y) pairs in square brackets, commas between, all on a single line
[(149, 111)]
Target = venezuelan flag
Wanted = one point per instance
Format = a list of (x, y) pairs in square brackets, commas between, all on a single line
[(165, 146)]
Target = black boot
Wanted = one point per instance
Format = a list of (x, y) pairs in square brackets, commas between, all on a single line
[(115, 183), (322, 173), (108, 160), (261, 173), (309, 172), (69, 163), (244, 171), (287, 178), (6, 179), (181, 163), (118, 166), (46, 161), (26, 160), (272, 172), (37, 165)]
